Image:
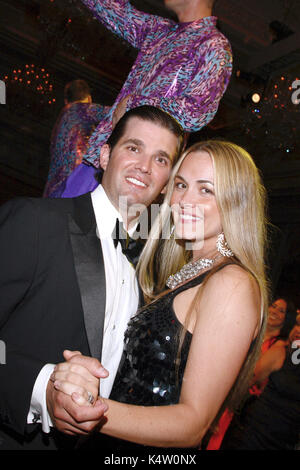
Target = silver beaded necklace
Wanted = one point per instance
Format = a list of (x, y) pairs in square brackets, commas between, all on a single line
[(188, 271)]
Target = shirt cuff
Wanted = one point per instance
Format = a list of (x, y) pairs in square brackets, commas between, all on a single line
[(38, 412)]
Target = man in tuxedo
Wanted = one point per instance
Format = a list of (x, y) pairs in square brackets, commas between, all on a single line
[(63, 288)]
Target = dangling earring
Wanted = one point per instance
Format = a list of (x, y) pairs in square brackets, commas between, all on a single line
[(222, 246)]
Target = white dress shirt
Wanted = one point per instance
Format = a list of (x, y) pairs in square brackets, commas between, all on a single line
[(122, 297)]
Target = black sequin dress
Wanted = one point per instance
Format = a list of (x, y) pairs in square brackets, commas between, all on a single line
[(147, 374)]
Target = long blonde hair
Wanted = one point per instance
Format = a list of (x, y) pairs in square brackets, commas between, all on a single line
[(241, 200)]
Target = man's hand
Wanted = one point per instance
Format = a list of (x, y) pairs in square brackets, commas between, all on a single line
[(70, 418), (78, 380)]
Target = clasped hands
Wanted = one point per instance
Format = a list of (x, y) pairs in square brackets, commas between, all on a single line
[(73, 400)]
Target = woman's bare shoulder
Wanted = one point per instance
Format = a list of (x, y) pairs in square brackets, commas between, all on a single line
[(234, 275), (233, 289)]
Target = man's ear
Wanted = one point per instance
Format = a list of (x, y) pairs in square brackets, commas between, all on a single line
[(104, 156)]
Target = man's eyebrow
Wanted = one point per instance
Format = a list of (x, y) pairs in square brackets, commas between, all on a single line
[(163, 153), (138, 142)]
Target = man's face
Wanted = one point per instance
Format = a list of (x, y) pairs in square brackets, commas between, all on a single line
[(139, 164)]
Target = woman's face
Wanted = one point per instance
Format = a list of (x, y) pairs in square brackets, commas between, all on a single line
[(277, 312), (194, 207)]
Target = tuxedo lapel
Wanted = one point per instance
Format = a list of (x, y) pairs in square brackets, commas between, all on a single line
[(89, 267)]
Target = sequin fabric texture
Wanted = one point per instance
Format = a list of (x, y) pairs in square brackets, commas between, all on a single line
[(182, 68), (148, 374), (69, 140)]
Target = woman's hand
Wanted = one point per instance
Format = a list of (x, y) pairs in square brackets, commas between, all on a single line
[(79, 377)]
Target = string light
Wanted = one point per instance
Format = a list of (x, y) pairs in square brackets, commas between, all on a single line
[(30, 91), (34, 77)]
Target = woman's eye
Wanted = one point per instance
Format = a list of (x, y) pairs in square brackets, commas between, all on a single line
[(206, 191), (180, 185), (133, 149)]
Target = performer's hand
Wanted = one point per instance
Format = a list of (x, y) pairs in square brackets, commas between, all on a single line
[(119, 111), (71, 418)]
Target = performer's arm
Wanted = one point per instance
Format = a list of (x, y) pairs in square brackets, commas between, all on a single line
[(197, 102), (120, 17)]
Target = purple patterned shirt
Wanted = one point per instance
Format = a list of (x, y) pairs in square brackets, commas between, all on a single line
[(182, 68)]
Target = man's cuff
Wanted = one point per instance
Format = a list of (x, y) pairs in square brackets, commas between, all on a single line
[(38, 412)]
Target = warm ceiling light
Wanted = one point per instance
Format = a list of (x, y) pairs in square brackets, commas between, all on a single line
[(255, 97)]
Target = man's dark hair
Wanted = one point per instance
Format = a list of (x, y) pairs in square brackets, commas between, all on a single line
[(76, 90), (151, 114)]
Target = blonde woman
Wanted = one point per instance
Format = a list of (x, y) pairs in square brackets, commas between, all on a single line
[(190, 352)]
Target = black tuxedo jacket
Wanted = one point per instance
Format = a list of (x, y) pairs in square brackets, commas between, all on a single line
[(52, 297)]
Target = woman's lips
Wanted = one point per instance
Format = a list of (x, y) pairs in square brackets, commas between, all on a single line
[(189, 218)]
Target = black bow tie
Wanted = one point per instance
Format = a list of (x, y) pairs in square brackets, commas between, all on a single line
[(131, 248)]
